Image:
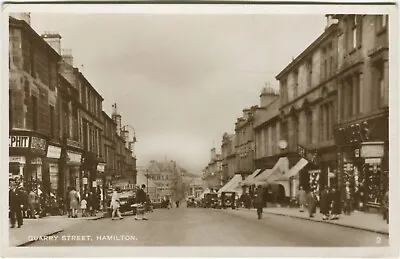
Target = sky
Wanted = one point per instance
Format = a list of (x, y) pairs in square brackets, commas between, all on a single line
[(181, 81)]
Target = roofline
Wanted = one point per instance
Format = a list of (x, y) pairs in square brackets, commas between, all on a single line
[(312, 46), (24, 25), (82, 76), (108, 117)]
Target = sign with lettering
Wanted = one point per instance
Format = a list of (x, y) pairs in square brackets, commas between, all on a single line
[(84, 180), (54, 152), (74, 158), (372, 149), (101, 167), (17, 159), (38, 143), (308, 155), (19, 141)]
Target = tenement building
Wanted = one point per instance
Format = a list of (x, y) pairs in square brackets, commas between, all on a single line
[(213, 173), (32, 107), (362, 132), (228, 157), (308, 105)]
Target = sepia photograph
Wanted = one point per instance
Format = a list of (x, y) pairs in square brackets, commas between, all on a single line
[(200, 129)]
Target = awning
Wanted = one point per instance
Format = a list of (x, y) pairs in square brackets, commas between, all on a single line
[(296, 169), (271, 175), (250, 180), (234, 185)]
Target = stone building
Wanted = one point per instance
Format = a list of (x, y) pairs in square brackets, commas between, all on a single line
[(308, 104), (32, 107), (109, 148), (213, 173), (362, 129), (245, 145), (228, 153)]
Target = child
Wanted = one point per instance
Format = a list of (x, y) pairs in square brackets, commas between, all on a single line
[(83, 207)]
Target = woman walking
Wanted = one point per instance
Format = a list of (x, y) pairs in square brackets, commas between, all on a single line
[(115, 204), (74, 202), (325, 203), (336, 204)]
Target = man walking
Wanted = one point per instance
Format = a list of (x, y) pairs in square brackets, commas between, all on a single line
[(32, 202), (347, 199), (259, 201), (141, 199), (16, 203)]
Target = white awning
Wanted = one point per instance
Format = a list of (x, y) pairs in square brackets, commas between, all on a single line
[(271, 175), (296, 169), (234, 185), (250, 180)]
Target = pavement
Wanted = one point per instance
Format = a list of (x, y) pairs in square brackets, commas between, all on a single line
[(211, 227), (43, 227), (360, 220)]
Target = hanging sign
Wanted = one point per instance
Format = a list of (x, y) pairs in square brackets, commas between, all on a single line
[(84, 180), (94, 184)]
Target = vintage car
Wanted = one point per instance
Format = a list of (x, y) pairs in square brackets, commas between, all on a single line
[(126, 201), (211, 200)]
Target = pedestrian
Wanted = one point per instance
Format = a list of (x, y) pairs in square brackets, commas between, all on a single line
[(385, 206), (347, 199), (325, 203), (90, 203), (259, 201), (32, 200), (84, 207), (141, 199), (74, 202), (311, 203), (67, 202), (16, 204), (115, 204), (336, 204), (177, 203), (302, 198)]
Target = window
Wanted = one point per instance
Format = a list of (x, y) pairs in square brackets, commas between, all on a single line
[(331, 65), (310, 71), (309, 126), (357, 93), (85, 135), (381, 23), (75, 127), (354, 32), (295, 131), (296, 83), (380, 85), (34, 112), (51, 121)]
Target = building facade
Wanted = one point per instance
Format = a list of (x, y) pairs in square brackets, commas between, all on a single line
[(245, 145), (308, 96), (362, 131), (32, 107), (213, 173)]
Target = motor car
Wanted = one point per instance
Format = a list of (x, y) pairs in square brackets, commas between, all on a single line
[(126, 201), (210, 200)]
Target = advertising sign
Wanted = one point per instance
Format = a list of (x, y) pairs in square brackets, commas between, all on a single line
[(53, 152), (38, 143), (17, 159), (84, 180), (19, 141), (372, 149)]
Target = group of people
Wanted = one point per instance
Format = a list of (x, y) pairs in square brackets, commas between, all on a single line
[(141, 204), (89, 203), (329, 202)]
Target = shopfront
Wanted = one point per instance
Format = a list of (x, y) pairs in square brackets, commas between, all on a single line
[(27, 150), (363, 161), (73, 176), (53, 162)]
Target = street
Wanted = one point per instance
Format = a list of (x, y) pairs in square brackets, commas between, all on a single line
[(209, 227)]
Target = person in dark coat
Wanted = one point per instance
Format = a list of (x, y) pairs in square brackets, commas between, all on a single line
[(336, 204), (325, 203), (16, 204), (311, 203), (141, 199), (259, 201)]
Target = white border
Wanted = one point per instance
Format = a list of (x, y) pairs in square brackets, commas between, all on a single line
[(213, 251)]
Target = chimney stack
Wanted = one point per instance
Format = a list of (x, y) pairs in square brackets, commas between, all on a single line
[(330, 20), (117, 119), (22, 16), (268, 95), (67, 56), (54, 40)]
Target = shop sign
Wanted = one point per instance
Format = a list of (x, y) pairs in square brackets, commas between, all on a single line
[(19, 141), (36, 161), (318, 171), (53, 152), (373, 161), (308, 155), (17, 159), (38, 143), (101, 167), (372, 149), (94, 184), (84, 180), (74, 158)]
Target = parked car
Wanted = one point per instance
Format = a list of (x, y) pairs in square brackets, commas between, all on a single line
[(210, 200)]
